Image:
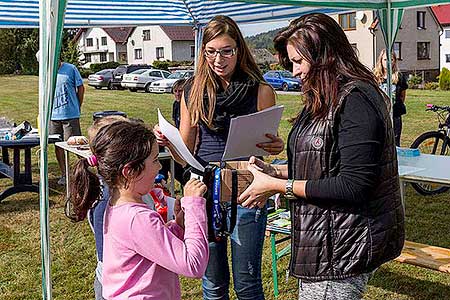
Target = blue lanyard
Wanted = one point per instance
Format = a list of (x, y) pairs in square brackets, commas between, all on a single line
[(216, 211)]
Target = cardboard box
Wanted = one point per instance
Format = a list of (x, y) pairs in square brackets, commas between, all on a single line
[(244, 177)]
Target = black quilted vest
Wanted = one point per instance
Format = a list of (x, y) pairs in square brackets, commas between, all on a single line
[(336, 241)]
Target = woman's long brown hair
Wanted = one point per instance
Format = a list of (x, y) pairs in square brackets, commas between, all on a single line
[(380, 71), (116, 145), (321, 42), (206, 80)]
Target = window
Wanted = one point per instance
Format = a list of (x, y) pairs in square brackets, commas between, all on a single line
[(420, 20), (423, 50), (89, 42), (104, 42), (447, 58), (159, 52), (192, 51), (447, 34), (146, 35), (348, 21), (102, 57), (137, 53), (155, 74), (397, 49), (87, 58)]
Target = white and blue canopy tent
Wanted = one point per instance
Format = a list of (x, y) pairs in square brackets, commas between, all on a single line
[(51, 16)]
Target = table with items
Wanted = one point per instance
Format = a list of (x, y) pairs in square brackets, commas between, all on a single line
[(22, 180)]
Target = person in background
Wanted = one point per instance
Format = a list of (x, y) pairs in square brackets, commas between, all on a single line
[(65, 119), (142, 254), (227, 84), (398, 88), (342, 178), (177, 92)]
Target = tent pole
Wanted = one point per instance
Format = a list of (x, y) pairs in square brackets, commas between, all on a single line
[(51, 22), (389, 54)]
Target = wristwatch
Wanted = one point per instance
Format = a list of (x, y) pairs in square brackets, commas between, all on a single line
[(289, 194)]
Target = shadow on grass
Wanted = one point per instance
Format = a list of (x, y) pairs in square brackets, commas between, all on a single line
[(22, 202), (415, 288)]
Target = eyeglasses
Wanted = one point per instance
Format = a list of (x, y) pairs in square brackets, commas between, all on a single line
[(225, 53)]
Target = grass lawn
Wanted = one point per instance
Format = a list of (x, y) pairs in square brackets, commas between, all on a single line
[(73, 247)]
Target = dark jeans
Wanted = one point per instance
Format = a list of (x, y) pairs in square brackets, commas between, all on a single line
[(246, 253), (397, 130)]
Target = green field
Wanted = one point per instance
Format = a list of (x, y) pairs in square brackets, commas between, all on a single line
[(73, 247)]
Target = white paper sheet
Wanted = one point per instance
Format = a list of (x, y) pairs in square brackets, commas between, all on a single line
[(173, 135), (249, 130)]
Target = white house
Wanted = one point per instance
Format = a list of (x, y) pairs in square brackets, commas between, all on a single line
[(99, 45), (149, 43), (442, 13)]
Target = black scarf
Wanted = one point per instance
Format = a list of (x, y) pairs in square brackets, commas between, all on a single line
[(234, 101)]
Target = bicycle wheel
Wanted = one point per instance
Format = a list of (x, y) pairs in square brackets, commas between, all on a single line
[(432, 142)]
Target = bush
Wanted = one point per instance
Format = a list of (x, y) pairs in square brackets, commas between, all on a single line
[(414, 80), (444, 79), (161, 64), (431, 85), (7, 67), (85, 73), (101, 66)]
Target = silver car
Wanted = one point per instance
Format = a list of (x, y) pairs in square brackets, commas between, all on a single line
[(101, 79), (165, 85), (141, 79)]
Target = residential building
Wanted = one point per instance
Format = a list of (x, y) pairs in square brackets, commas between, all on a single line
[(416, 44), (442, 13), (159, 42), (99, 45)]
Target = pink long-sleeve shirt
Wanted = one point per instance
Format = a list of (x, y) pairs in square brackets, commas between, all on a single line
[(142, 256)]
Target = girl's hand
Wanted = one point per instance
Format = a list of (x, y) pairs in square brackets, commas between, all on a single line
[(160, 138), (194, 188), (263, 166), (258, 191), (275, 146)]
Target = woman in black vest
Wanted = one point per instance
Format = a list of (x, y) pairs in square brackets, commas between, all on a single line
[(341, 177), (227, 83)]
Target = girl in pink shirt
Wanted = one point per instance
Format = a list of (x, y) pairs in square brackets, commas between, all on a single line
[(142, 255)]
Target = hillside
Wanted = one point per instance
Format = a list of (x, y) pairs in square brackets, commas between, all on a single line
[(262, 40)]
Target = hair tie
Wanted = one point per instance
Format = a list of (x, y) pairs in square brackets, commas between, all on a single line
[(92, 161)]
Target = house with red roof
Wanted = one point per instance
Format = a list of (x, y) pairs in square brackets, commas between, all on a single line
[(100, 45), (442, 13), (160, 42)]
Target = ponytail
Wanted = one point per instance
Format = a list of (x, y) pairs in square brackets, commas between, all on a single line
[(84, 190)]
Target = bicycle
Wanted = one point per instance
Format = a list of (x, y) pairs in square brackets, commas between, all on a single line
[(434, 142)]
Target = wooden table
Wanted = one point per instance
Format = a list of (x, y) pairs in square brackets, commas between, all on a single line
[(86, 153), (22, 180)]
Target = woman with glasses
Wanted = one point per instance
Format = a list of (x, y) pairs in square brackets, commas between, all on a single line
[(341, 178), (228, 83)]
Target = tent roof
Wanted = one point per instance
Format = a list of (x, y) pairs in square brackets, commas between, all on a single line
[(114, 13)]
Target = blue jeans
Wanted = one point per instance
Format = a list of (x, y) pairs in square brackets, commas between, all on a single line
[(246, 253)]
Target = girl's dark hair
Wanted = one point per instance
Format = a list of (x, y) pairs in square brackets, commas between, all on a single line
[(322, 43), (116, 145)]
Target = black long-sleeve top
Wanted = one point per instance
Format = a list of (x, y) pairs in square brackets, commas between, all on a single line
[(360, 142)]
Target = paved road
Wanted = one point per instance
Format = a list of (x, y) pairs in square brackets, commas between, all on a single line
[(288, 93)]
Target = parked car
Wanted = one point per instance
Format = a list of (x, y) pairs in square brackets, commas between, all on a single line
[(101, 79), (125, 69), (283, 80), (141, 79), (165, 85)]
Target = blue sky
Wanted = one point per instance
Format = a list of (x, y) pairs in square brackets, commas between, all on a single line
[(253, 29)]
